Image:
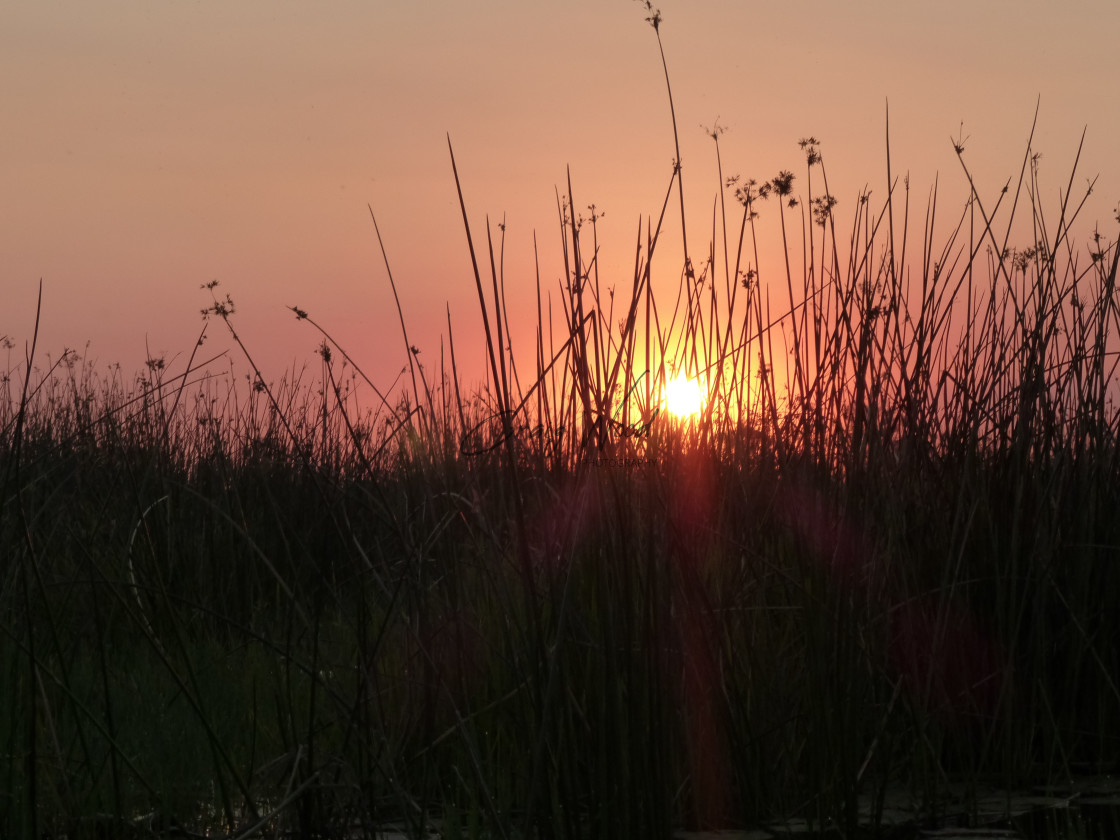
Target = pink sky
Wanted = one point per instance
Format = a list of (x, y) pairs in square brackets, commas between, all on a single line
[(148, 147)]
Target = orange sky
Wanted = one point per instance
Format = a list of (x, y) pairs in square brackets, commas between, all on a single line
[(149, 147)]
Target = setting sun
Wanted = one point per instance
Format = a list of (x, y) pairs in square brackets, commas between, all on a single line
[(683, 396)]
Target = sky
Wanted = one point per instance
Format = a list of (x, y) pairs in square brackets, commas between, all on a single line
[(149, 148)]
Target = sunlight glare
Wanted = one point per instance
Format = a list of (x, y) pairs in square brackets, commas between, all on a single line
[(684, 397)]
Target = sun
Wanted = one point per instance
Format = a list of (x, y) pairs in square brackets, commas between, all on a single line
[(684, 397)]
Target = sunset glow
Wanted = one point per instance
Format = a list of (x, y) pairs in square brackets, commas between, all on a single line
[(542, 419), (150, 151), (684, 397)]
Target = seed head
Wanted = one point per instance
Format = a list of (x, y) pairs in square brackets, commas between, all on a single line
[(783, 183)]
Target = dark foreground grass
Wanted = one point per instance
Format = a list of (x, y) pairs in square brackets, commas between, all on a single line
[(544, 608)]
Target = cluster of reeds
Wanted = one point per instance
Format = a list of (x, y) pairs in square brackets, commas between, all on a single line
[(884, 552)]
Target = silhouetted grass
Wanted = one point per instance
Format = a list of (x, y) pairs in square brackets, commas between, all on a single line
[(884, 554)]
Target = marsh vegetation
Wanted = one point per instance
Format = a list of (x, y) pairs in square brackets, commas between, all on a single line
[(880, 552)]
